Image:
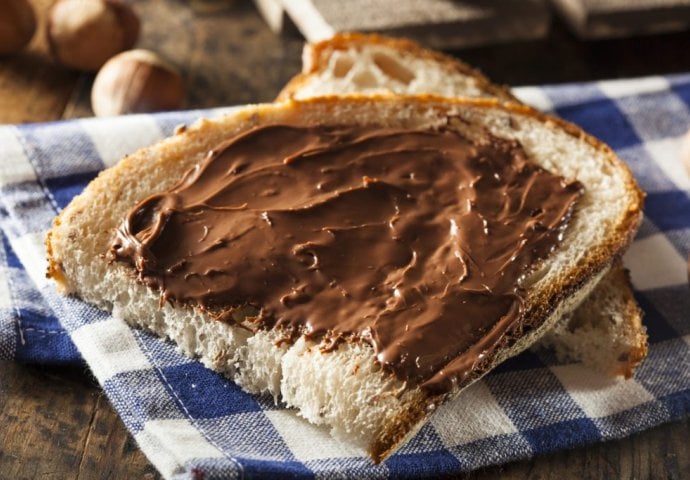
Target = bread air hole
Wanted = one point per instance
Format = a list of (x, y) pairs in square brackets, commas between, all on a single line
[(393, 68), (364, 80), (342, 65)]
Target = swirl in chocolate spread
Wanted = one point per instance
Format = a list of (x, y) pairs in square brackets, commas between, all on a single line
[(412, 240)]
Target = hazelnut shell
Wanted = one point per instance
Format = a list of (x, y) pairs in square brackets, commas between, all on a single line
[(17, 25), (136, 81)]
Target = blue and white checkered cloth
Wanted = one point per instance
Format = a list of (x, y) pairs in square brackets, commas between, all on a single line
[(193, 423)]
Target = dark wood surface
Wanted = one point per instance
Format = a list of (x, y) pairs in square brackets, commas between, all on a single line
[(55, 422)]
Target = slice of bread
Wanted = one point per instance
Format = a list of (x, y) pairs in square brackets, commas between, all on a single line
[(607, 332), (363, 63), (346, 389)]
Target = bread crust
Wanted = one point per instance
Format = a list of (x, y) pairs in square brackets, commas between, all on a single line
[(542, 309), (313, 54)]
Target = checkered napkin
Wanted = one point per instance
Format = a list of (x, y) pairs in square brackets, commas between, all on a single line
[(191, 422)]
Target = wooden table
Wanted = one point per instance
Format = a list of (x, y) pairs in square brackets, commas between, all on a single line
[(56, 423)]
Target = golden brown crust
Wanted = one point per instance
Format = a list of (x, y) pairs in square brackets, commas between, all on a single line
[(343, 41)]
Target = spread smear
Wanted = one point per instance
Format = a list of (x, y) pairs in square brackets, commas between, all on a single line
[(412, 240)]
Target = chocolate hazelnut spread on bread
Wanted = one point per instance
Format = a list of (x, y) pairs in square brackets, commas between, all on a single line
[(415, 241)]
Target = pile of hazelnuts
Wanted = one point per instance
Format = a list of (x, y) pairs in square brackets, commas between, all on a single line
[(98, 35)]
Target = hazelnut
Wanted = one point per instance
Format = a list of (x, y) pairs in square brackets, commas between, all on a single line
[(136, 81), (84, 34), (17, 25)]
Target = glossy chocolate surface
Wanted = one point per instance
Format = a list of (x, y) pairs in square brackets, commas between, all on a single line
[(411, 240)]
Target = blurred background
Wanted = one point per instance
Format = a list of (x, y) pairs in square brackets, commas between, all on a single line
[(238, 51)]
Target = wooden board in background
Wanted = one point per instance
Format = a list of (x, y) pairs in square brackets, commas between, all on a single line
[(436, 23)]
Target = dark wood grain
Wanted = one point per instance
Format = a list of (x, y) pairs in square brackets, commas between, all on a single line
[(55, 423)]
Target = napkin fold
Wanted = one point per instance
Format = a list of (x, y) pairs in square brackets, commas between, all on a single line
[(194, 423)]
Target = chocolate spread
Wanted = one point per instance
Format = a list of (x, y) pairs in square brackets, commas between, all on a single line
[(412, 240)]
